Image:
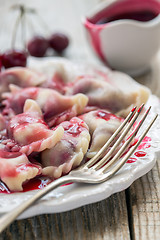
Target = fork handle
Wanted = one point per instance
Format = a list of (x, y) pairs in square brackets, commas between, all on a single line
[(9, 217)]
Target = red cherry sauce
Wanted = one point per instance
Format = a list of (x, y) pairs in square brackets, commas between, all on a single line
[(106, 115), (33, 184), (138, 10), (17, 100), (7, 155), (74, 128), (105, 77), (56, 83), (57, 119), (11, 171), (38, 183), (60, 111), (132, 160), (145, 143), (139, 153), (142, 16), (20, 121), (94, 34)]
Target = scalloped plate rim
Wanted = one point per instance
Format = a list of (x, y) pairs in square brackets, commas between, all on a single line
[(76, 195)]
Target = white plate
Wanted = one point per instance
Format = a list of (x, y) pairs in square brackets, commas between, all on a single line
[(75, 195)]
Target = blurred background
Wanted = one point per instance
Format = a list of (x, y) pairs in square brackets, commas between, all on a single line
[(51, 16), (59, 16)]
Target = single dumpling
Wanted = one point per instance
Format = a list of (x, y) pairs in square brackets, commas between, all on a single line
[(30, 132), (102, 124), (55, 106), (117, 93), (15, 169), (20, 76), (69, 152)]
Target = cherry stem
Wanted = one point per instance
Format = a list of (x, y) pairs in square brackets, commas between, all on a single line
[(22, 10), (15, 32), (30, 24), (41, 20), (23, 30), (44, 24)]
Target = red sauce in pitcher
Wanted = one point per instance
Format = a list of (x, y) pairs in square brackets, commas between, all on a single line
[(137, 10)]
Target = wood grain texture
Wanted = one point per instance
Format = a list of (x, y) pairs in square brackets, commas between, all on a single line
[(105, 220), (145, 206), (144, 194)]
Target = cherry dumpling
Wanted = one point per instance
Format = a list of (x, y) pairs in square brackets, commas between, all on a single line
[(102, 124), (116, 93), (69, 152), (15, 169), (54, 106), (30, 132), (20, 76)]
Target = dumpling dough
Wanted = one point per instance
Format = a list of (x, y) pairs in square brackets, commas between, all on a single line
[(102, 124), (15, 169), (69, 151), (118, 93), (31, 132), (23, 77), (54, 106)]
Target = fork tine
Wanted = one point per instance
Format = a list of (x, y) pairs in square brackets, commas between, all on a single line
[(142, 120), (129, 153), (125, 145), (119, 140), (110, 140)]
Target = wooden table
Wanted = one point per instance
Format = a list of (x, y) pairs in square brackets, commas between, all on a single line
[(131, 214)]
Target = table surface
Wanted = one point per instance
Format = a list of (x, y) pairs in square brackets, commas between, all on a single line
[(130, 214)]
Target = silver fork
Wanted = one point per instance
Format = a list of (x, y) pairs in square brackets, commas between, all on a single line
[(95, 170)]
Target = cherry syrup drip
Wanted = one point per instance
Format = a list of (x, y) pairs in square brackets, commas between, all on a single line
[(132, 160), (74, 129), (33, 184), (106, 115), (139, 153)]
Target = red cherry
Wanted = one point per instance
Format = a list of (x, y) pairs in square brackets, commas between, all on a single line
[(58, 41), (37, 46), (14, 58)]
